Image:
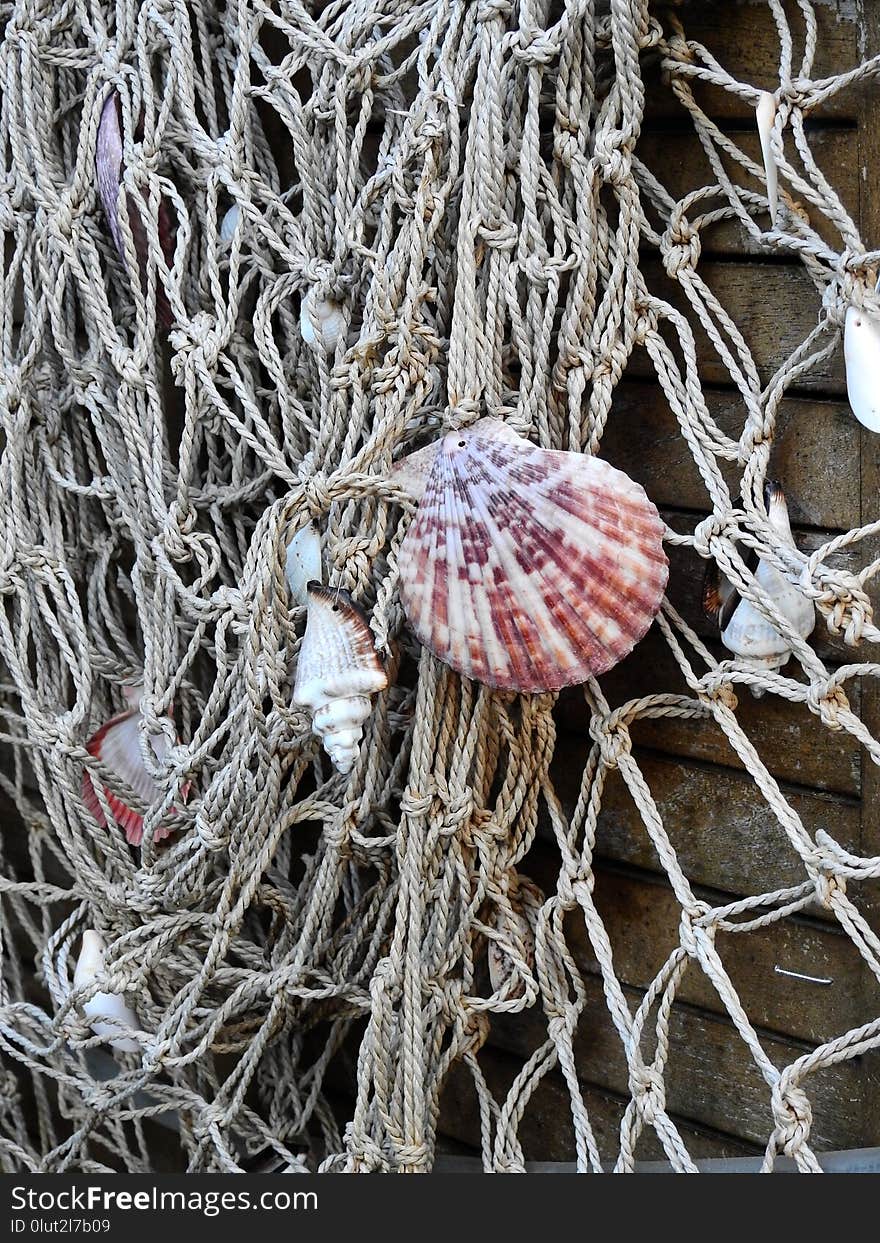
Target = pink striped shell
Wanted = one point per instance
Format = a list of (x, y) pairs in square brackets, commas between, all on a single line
[(117, 744), (524, 568)]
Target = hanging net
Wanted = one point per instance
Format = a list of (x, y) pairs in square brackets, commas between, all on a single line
[(464, 185)]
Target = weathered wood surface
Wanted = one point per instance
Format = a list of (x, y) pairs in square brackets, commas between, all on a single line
[(726, 837), (795, 746), (711, 1079), (546, 1132), (643, 438)]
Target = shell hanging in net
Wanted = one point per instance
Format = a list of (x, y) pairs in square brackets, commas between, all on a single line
[(302, 563), (337, 672), (117, 744), (104, 1006), (861, 352), (745, 631), (529, 569)]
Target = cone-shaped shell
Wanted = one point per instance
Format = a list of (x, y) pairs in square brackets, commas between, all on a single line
[(529, 569), (104, 1006), (766, 115), (337, 672), (303, 563), (745, 631), (861, 351), (117, 744)]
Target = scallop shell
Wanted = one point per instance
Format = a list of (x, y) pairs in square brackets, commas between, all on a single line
[(103, 1006), (108, 176), (303, 563), (861, 352), (321, 322), (745, 631), (766, 115), (117, 744), (529, 569), (337, 672)]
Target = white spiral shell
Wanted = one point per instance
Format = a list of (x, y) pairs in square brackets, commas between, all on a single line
[(337, 672), (104, 1006)]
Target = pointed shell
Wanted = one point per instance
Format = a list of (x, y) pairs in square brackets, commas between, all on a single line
[(108, 176), (745, 631), (118, 745), (229, 224), (529, 569), (766, 115), (108, 165), (303, 563), (104, 1006), (337, 672), (321, 322), (861, 351)]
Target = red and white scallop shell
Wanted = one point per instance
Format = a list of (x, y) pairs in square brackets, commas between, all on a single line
[(524, 568), (118, 745)]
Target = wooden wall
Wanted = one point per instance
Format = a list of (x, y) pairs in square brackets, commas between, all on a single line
[(727, 840)]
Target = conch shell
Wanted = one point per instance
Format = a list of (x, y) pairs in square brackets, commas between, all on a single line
[(337, 672), (104, 1006), (118, 745), (861, 352), (745, 631), (524, 568)]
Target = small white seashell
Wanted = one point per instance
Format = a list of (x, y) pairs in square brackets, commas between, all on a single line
[(745, 631), (528, 569), (321, 322), (861, 352), (303, 564), (103, 1006), (229, 224), (337, 672), (766, 113)]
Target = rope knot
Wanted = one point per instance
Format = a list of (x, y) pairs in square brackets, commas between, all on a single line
[(613, 739), (793, 1115), (681, 248), (488, 10), (826, 887), (316, 494), (712, 528), (827, 700), (649, 1093)]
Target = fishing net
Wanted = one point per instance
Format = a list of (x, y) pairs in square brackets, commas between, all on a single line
[(307, 952)]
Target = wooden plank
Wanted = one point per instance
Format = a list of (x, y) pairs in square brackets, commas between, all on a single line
[(720, 827), (642, 918), (546, 1131), (679, 162), (745, 41), (775, 306), (793, 743), (711, 1078), (815, 452)]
